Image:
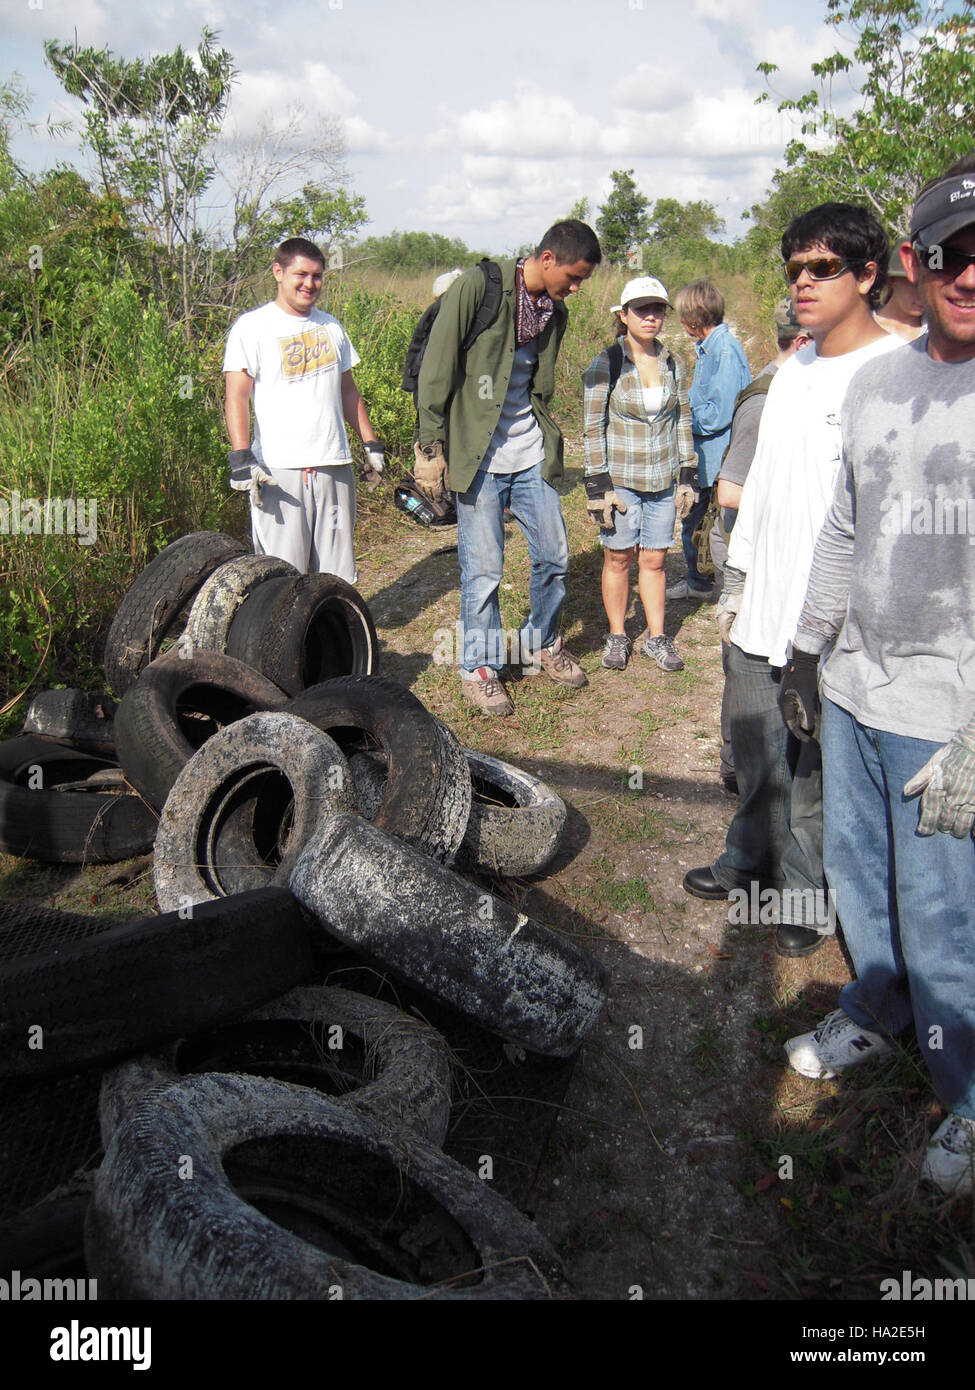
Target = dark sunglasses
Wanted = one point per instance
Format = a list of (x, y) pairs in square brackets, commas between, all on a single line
[(819, 268), (944, 260)]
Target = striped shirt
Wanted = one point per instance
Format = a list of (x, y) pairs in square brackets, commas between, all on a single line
[(641, 452)]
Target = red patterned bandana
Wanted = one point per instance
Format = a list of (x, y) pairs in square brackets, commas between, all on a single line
[(532, 313)]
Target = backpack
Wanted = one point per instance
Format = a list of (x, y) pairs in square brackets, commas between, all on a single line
[(711, 521), (487, 312)]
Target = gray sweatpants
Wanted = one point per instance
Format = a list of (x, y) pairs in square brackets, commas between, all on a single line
[(307, 518)]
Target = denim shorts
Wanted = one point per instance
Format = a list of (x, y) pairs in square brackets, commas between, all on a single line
[(648, 521)]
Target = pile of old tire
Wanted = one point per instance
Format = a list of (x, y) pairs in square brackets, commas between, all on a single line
[(317, 1170), (271, 799)]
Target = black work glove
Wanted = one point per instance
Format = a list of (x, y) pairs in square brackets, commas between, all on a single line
[(799, 695), (601, 499)]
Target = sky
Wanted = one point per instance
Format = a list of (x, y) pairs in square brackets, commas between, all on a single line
[(481, 121)]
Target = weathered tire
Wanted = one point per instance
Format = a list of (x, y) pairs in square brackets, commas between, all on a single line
[(515, 824), (387, 1064), (132, 987), (175, 706), (68, 818), (82, 719), (305, 631), (152, 606), (427, 801), (250, 778), (216, 605), (370, 1196), (516, 821), (425, 924)]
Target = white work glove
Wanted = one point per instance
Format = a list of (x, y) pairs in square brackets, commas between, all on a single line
[(947, 784), (247, 475), (730, 601), (372, 469)]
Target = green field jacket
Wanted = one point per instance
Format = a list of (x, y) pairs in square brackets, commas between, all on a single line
[(459, 397)]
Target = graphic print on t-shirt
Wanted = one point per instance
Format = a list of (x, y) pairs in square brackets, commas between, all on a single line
[(306, 354)]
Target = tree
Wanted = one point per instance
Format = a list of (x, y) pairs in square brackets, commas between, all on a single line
[(681, 224), (623, 222), (916, 110), (579, 211), (416, 252)]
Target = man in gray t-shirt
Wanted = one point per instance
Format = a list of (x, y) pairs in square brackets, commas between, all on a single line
[(893, 581)]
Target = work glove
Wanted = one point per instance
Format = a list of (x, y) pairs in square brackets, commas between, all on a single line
[(601, 499), (430, 471), (799, 695), (247, 475), (726, 612), (372, 469), (947, 784), (687, 494)]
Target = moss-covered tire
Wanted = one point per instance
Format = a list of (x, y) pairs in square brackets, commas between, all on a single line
[(297, 1197)]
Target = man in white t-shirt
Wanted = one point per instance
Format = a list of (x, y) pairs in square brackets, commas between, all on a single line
[(296, 362), (836, 265)]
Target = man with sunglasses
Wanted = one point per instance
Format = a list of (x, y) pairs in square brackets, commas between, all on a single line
[(836, 267), (894, 575)]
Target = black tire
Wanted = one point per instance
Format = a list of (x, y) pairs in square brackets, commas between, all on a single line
[(270, 776), (215, 606), (356, 1050), (82, 719), (368, 1195), (175, 706), (150, 610), (133, 987), (427, 801), (62, 806), (428, 926), (516, 821), (305, 631), (48, 1242)]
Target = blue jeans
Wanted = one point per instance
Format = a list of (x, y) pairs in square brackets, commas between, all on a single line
[(480, 544), (906, 901), (776, 835), (688, 526)]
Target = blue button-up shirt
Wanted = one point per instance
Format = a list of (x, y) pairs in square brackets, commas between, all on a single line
[(721, 372)]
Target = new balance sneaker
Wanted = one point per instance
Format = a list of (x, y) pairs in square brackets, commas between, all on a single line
[(663, 652), (484, 689), (617, 652), (558, 663), (685, 589), (836, 1045), (950, 1159)]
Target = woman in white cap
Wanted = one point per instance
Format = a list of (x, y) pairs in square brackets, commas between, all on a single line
[(641, 468)]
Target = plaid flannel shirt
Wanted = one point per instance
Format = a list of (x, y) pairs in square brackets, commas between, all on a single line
[(641, 452)]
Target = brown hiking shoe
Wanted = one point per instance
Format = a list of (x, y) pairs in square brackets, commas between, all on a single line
[(484, 689), (558, 662)]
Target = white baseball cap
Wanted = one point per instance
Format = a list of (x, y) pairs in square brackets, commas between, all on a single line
[(644, 287), (444, 282)]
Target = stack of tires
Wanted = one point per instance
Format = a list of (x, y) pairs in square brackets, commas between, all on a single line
[(291, 809)]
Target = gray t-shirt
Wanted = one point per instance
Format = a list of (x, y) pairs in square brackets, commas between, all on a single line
[(517, 442), (894, 565)]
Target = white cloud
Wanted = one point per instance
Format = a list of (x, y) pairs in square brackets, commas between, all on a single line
[(652, 87)]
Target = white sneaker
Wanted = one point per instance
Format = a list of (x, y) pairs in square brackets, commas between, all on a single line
[(836, 1045), (950, 1158)]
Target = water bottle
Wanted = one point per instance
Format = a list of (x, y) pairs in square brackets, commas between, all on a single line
[(414, 506)]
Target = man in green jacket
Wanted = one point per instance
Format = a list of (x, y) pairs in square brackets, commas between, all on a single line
[(486, 411)]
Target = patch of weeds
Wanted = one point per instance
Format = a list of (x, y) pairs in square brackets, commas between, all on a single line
[(628, 892), (705, 1042)]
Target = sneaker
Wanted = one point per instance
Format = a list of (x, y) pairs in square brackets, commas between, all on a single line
[(617, 653), (663, 652), (685, 589), (950, 1158), (837, 1044), (558, 663), (484, 689)]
